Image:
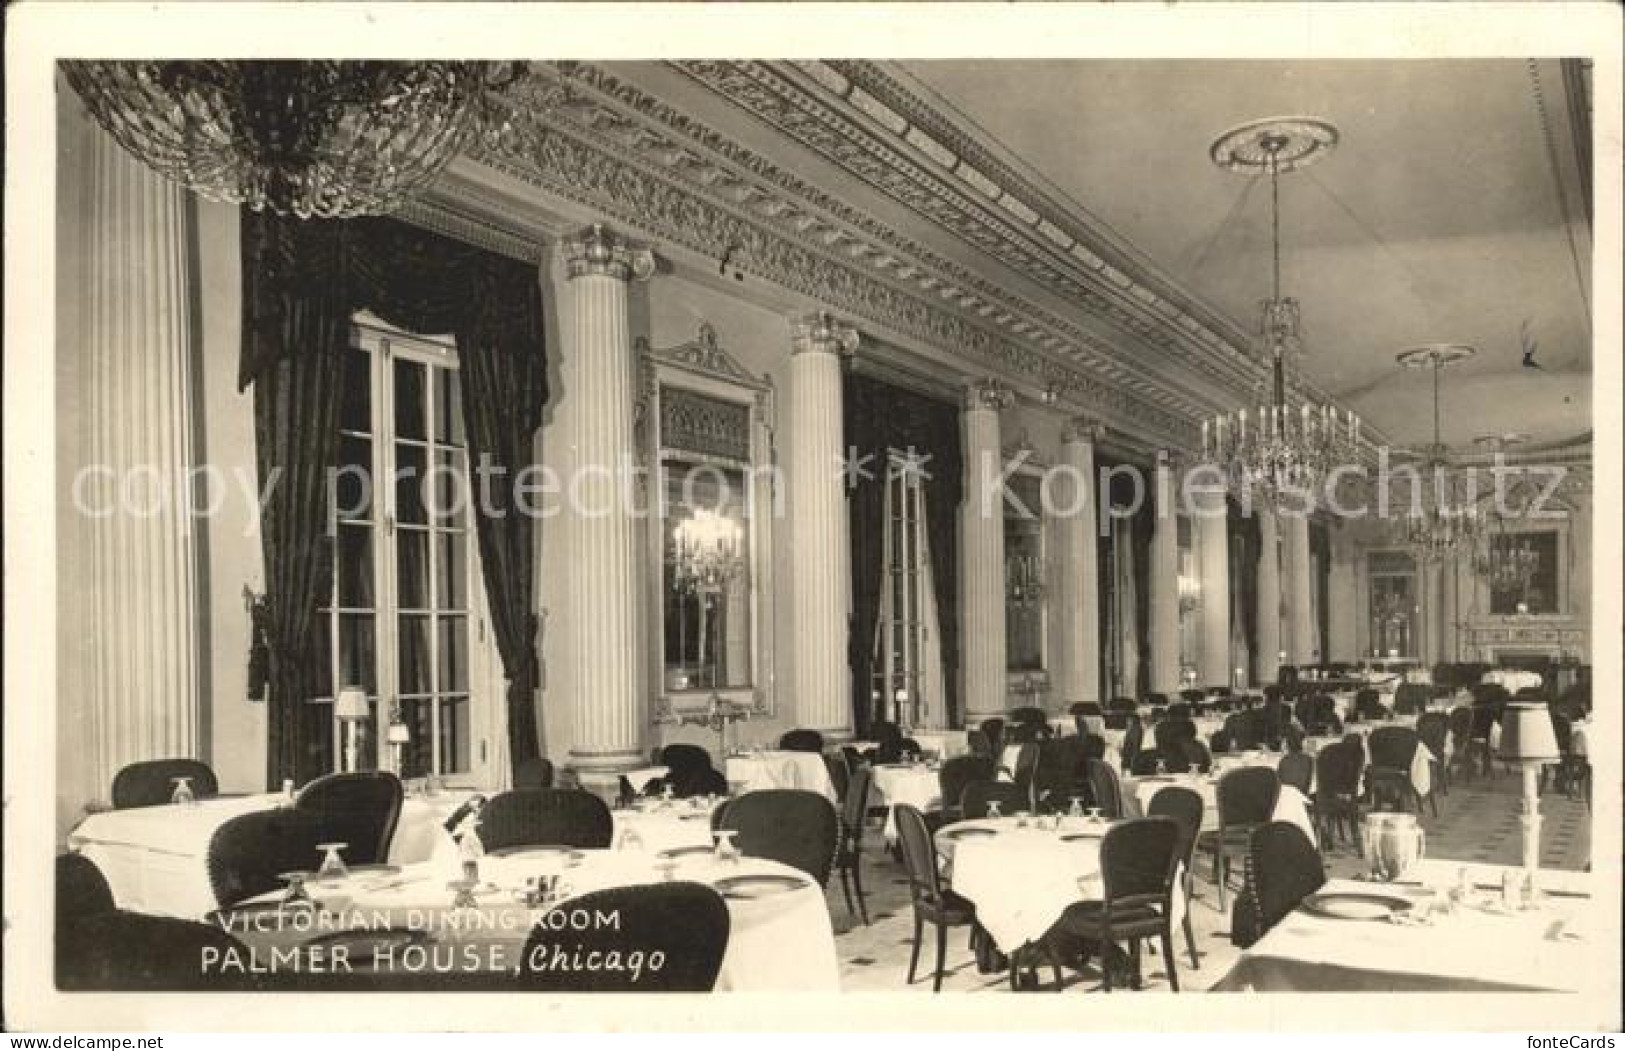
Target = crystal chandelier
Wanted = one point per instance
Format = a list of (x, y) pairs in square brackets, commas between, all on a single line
[(309, 139), (706, 552), (1508, 564), (1278, 448), (1442, 516)]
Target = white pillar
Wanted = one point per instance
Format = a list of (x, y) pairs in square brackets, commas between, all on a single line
[(1212, 536), (1164, 581), (981, 563), (1447, 609), (1430, 613), (820, 567), (1078, 601), (1268, 657), (1342, 604), (605, 585), (1301, 643), (139, 348)]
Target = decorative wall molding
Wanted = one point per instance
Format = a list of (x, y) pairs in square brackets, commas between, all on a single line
[(634, 174)]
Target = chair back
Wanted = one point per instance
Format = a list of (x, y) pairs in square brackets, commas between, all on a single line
[(1337, 770), (960, 771), (1247, 796), (840, 775), (1563, 729), (855, 806), (800, 829), (993, 730), (684, 925), (977, 794), (802, 741), (130, 952), (1116, 719), (539, 817), (1184, 806), (1138, 858), (1392, 748), (1105, 789), (360, 810), (977, 742), (1197, 757), (1433, 728), (676, 757), (1133, 736), (535, 772), (919, 854), (1172, 730), (248, 853), (1297, 770), (81, 890), (1144, 763), (1286, 868), (1411, 697), (151, 783), (1061, 764)]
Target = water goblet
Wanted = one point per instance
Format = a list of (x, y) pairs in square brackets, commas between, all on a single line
[(993, 809), (332, 867), (1095, 817), (1021, 819), (1076, 809), (725, 852), (464, 896), (296, 894), (182, 796)]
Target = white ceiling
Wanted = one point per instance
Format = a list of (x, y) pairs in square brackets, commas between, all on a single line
[(1437, 219)]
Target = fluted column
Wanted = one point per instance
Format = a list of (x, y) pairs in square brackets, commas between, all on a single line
[(1300, 609), (1164, 580), (140, 350), (981, 562), (1268, 658), (820, 570), (1342, 604), (1448, 644), (605, 583), (1430, 613), (1212, 537), (1078, 653)]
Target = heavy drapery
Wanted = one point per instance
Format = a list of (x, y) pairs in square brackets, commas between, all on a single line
[(878, 417), (1320, 551), (302, 281), (1246, 547)]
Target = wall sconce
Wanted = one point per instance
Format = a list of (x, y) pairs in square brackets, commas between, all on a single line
[(1190, 593)]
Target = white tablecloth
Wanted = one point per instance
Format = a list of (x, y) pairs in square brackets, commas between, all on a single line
[(1023, 879), (1550, 948), (156, 858), (803, 770), (902, 784), (1137, 792), (944, 744), (657, 826), (780, 942), (1513, 679)]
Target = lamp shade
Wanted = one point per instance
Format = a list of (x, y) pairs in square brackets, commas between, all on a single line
[(351, 705), (1527, 734), (398, 733)]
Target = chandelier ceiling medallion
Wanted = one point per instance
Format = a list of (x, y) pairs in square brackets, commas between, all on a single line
[(1278, 452), (308, 139), (1440, 502)]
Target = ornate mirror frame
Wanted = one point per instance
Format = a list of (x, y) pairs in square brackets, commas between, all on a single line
[(701, 366)]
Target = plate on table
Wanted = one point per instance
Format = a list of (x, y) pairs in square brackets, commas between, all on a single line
[(956, 834), (683, 852), (362, 946), (1073, 837), (1157, 779), (748, 888), (542, 853), (1357, 905)]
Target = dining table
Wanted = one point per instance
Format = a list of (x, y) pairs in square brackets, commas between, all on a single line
[(1022, 873), (155, 859), (755, 771), (661, 824), (898, 784), (1411, 935), (411, 927), (1290, 805)]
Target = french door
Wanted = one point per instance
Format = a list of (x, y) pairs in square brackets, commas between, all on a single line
[(406, 617), (907, 650)]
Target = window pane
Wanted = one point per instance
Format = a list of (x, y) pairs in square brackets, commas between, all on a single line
[(416, 674), (411, 465), (411, 414), (453, 569), (454, 735), (358, 656), (353, 482), (450, 490), (449, 399), (355, 566), (417, 754), (355, 403), (453, 654), (412, 568)]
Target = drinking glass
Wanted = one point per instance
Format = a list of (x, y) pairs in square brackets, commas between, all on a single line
[(332, 867), (296, 894), (993, 809), (182, 796), (1021, 819), (1076, 809), (1095, 817), (725, 851)]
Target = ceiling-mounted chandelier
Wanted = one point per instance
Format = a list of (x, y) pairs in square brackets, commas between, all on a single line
[(1278, 449), (1441, 503), (309, 139), (1506, 562)]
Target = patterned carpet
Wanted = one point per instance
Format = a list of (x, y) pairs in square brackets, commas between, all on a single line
[(1477, 821)]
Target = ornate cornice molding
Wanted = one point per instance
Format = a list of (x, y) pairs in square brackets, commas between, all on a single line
[(661, 196), (1084, 429)]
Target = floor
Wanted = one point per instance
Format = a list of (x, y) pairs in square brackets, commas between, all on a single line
[(1477, 821)]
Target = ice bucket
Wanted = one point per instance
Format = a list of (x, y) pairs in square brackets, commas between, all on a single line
[(1393, 843)]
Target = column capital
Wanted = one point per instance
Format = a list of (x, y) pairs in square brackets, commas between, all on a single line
[(988, 395), (599, 252), (1084, 429), (820, 332)]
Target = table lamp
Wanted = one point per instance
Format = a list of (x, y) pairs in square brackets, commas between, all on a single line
[(1527, 739), (399, 735), (351, 709)]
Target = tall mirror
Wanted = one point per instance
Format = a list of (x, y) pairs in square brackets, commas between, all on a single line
[(705, 429)]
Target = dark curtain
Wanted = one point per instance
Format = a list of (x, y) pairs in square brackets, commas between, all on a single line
[(1145, 525), (878, 417), (1320, 546), (1246, 547), (421, 282)]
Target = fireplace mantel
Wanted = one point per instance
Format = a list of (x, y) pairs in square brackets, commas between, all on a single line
[(1564, 639)]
